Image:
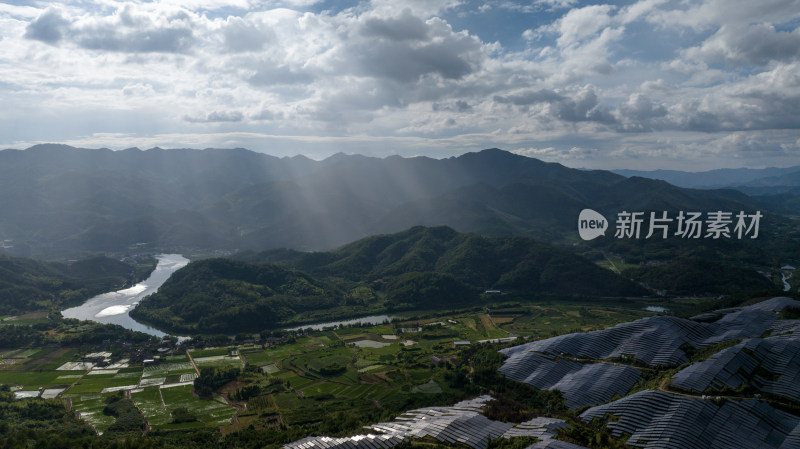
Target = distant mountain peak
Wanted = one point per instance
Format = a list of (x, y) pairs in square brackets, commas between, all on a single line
[(341, 156), (50, 147)]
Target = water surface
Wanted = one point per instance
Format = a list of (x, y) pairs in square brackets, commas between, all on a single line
[(658, 309)]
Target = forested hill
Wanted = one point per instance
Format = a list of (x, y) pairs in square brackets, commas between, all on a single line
[(28, 285), (421, 268), (505, 263)]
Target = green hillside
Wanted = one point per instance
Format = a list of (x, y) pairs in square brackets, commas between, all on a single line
[(421, 268)]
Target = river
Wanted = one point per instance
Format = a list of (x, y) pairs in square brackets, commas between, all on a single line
[(113, 307), (785, 279)]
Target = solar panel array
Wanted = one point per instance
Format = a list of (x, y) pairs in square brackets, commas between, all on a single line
[(355, 442), (463, 422), (581, 383), (544, 429), (789, 328), (448, 425), (659, 420), (541, 427), (656, 340), (559, 363), (746, 362)]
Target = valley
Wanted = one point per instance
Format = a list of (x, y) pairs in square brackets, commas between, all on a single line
[(487, 323)]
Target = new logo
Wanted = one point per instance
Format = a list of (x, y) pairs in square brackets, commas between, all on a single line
[(591, 224)]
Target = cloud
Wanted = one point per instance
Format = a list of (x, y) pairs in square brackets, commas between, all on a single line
[(641, 9), (246, 34), (650, 78), (49, 27), (582, 106), (529, 97), (138, 90), (267, 115), (168, 40), (216, 117), (444, 53), (757, 44), (764, 101), (579, 24), (706, 14), (404, 27), (125, 31), (639, 113), (268, 74), (556, 4), (457, 106)]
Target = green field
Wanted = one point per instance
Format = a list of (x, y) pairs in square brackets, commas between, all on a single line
[(96, 383), (208, 412), (257, 357), (45, 379), (215, 361), (158, 413), (166, 369), (91, 407), (148, 400)]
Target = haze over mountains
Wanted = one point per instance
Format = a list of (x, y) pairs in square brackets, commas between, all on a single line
[(60, 200), (737, 178)]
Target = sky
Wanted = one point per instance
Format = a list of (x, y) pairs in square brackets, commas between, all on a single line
[(640, 84)]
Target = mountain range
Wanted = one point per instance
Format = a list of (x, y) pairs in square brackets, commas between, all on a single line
[(59, 200)]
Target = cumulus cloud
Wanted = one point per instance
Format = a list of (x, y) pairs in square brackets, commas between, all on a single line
[(124, 31), (49, 27), (407, 57), (246, 34), (579, 24), (583, 106), (404, 27), (640, 113), (580, 106), (757, 44)]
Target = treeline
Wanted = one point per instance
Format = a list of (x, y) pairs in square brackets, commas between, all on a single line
[(211, 379), (128, 417)]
